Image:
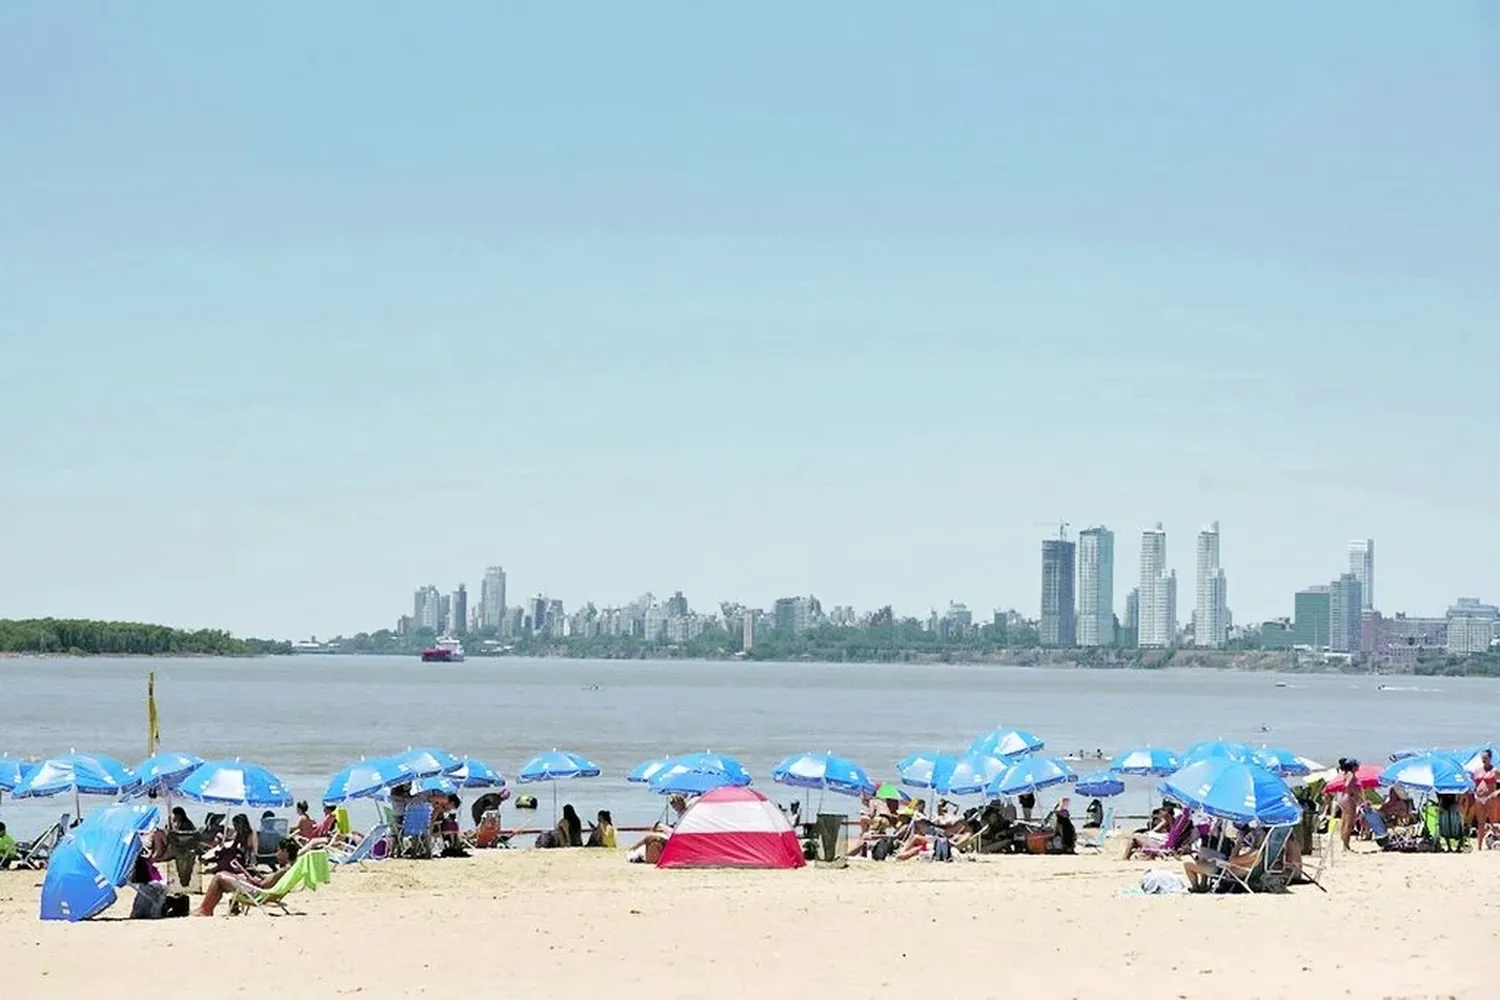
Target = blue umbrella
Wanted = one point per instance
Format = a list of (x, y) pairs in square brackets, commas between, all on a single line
[(1413, 752), (1279, 760), (79, 773), (1226, 749), (365, 778), (1434, 773), (441, 784), (555, 766), (696, 773), (1100, 785), (1147, 760), (1472, 757), (967, 775), (234, 783), (917, 769), (824, 771), (165, 769), (1031, 774), (429, 760), (474, 773), (646, 770), (1234, 790), (97, 856), (1006, 743), (13, 772)]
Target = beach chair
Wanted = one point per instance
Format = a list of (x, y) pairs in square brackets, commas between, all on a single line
[(34, 854), (268, 839), (1375, 823), (375, 847), (309, 871), (416, 831), (1267, 872), (1106, 827), (1179, 836)]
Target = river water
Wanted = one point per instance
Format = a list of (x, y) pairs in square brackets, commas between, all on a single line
[(305, 717)]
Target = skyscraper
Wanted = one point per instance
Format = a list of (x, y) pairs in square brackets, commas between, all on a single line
[(1059, 615), (1096, 587), (427, 608), (1362, 566), (492, 598), (1344, 619), (458, 616), (1210, 613), (1156, 591)]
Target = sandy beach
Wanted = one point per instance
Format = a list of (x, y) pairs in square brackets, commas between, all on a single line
[(585, 923)]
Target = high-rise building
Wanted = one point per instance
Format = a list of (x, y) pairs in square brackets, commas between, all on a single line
[(1157, 611), (677, 606), (427, 610), (1130, 626), (1362, 565), (458, 611), (1311, 616), (492, 599), (1210, 613), (1096, 587), (1059, 625), (1345, 626)]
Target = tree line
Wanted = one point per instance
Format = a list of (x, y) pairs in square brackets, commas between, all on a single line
[(79, 637)]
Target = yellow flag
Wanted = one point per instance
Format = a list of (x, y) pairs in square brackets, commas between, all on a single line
[(153, 725)]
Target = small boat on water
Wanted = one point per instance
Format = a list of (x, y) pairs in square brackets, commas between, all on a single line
[(445, 650)]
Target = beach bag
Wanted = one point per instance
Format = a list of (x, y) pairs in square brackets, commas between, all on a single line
[(942, 850), (884, 848)]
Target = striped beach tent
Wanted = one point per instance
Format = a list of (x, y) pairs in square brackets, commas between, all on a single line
[(732, 827)]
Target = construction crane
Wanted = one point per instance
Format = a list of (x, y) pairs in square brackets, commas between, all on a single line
[(1062, 527)]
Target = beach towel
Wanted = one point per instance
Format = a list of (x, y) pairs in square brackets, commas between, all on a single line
[(1162, 881)]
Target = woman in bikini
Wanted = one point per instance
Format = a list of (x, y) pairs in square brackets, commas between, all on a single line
[(1486, 797)]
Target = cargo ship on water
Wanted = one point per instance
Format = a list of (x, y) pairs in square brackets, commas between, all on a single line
[(445, 650)]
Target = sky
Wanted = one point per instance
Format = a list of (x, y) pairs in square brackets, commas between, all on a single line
[(306, 306)]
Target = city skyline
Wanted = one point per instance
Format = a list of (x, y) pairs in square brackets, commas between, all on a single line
[(294, 334)]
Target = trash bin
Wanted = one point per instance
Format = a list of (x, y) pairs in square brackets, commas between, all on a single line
[(832, 840)]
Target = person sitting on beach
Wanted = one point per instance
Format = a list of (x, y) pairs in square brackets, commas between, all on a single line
[(1027, 802), (242, 880), (244, 845), (1202, 867), (1093, 815), (647, 850), (447, 824), (303, 827), (1396, 809), (602, 832), (10, 851), (1155, 837), (679, 807), (567, 833), (1064, 836)]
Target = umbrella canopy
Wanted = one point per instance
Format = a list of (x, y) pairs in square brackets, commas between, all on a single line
[(1279, 760), (1436, 773), (1031, 774), (1472, 758), (646, 770), (696, 773), (1227, 749), (916, 770), (166, 769), (1100, 785), (1003, 742), (13, 772), (474, 773), (1406, 752), (439, 784), (967, 775), (428, 760), (365, 778), (79, 773), (1146, 760), (558, 765), (890, 792), (1366, 776), (822, 770), (97, 856), (235, 783), (1234, 790)]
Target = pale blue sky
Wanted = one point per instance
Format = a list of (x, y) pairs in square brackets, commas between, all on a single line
[(304, 307)]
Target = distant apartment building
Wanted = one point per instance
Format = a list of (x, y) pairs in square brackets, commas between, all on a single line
[(1096, 587), (1362, 566), (1156, 609), (458, 610), (796, 614), (1131, 625), (1471, 626), (1345, 608), (677, 606), (492, 599), (1059, 609), (427, 609), (1211, 610), (1310, 617)]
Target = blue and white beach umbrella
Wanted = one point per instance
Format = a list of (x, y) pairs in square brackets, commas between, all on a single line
[(365, 778), (235, 783), (424, 761), (823, 771), (1234, 790), (1472, 758), (1100, 785), (1406, 752), (555, 766), (1434, 773), (696, 773), (646, 770), (95, 858), (1225, 749), (475, 773), (1006, 743), (1031, 774), (969, 774), (80, 774), (13, 772), (166, 769), (1281, 761), (916, 770), (439, 784), (1146, 761)]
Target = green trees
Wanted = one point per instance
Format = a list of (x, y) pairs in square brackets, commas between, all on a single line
[(80, 637)]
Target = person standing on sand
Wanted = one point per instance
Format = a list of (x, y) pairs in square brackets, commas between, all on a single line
[(1349, 799), (1486, 798)]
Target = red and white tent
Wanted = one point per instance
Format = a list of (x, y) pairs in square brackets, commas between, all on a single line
[(732, 828)]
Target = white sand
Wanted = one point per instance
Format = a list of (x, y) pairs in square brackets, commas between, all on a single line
[(583, 923)]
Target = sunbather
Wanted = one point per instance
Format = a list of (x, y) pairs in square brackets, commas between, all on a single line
[(1154, 839), (303, 827), (10, 851), (230, 882), (647, 850), (1202, 867), (602, 832)]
